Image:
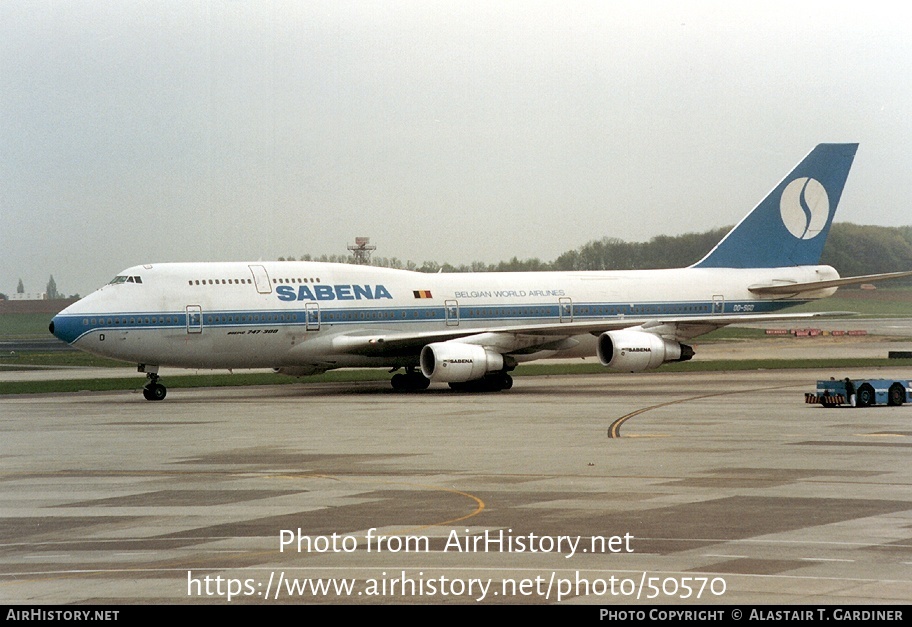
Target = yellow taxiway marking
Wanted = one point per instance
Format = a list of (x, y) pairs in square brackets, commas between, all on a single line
[(614, 431)]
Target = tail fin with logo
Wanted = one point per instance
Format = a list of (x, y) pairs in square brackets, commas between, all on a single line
[(789, 227)]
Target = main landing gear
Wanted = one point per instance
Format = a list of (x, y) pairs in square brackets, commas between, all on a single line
[(413, 381), (492, 382), (410, 381), (153, 390)]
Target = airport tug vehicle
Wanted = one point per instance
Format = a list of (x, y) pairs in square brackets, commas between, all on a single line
[(868, 392)]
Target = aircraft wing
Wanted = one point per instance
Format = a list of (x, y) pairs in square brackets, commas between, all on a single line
[(546, 336)]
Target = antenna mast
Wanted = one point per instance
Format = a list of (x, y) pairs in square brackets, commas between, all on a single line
[(362, 250)]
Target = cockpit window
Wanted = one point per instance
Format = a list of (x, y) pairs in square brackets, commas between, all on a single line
[(125, 279)]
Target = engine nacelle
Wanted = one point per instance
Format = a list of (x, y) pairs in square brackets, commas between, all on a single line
[(634, 351), (455, 362)]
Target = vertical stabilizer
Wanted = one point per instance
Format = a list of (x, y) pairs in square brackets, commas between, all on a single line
[(790, 226)]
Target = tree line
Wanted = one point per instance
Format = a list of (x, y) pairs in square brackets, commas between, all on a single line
[(50, 291), (851, 248)]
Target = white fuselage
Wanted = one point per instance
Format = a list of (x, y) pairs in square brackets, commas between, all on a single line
[(308, 314)]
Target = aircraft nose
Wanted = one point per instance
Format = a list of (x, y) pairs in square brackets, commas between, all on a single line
[(68, 325), (57, 328)]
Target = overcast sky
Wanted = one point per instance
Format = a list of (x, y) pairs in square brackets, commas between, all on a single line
[(141, 131)]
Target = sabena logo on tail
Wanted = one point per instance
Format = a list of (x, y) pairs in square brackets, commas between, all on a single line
[(789, 226), (804, 207)]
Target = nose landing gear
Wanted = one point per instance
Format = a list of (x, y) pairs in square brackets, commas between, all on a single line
[(153, 390)]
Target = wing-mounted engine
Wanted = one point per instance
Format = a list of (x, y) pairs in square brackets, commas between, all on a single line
[(634, 351), (457, 362)]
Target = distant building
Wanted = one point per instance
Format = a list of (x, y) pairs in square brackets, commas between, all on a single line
[(19, 304), (27, 296)]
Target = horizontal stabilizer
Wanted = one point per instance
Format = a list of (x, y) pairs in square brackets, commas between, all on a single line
[(798, 288)]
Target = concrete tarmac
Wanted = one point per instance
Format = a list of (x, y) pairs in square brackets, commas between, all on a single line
[(723, 488)]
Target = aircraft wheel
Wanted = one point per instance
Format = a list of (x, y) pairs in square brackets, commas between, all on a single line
[(896, 395), (154, 392), (409, 382), (489, 383), (418, 381)]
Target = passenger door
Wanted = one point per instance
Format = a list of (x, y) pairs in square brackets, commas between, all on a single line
[(194, 319)]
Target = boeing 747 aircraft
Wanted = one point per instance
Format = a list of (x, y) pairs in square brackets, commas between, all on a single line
[(469, 330)]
